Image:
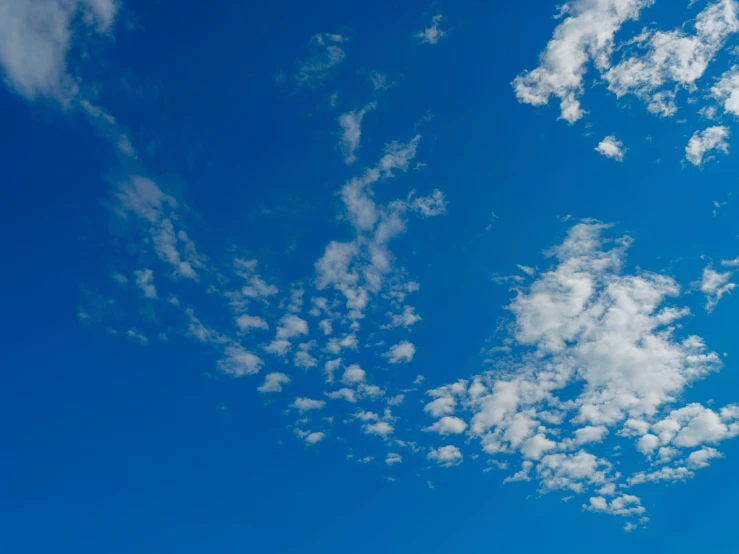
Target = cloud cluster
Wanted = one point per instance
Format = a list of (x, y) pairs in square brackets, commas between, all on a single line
[(598, 357)]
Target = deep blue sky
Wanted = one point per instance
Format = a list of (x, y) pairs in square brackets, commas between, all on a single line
[(114, 446)]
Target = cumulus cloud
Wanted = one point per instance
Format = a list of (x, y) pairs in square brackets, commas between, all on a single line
[(673, 57), (36, 37), (703, 142), (585, 36), (612, 148), (291, 326), (715, 285), (238, 362), (595, 353), (434, 33), (448, 425), (145, 282), (446, 456), (303, 404), (351, 127), (273, 382), (353, 375), (380, 429), (248, 322), (726, 90), (402, 352)]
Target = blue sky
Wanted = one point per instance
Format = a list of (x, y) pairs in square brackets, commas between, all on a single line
[(367, 277)]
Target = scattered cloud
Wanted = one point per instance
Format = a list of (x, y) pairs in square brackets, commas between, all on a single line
[(703, 142), (612, 148), (434, 33)]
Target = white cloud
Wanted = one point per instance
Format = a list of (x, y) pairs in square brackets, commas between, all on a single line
[(446, 456), (273, 382), (586, 35), (702, 142), (313, 438), (351, 126), (726, 90), (353, 375), (700, 458), (343, 394), (612, 148), (430, 206), (291, 326), (380, 429), (594, 352), (157, 214), (307, 404), (136, 336), (248, 322), (674, 57), (325, 55), (448, 425), (624, 505), (145, 281), (278, 347), (36, 37), (238, 362), (393, 458), (304, 359), (714, 285), (433, 34), (405, 319), (522, 475), (330, 367), (402, 352)]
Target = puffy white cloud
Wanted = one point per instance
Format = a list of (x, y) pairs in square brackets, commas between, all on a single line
[(402, 352), (624, 505), (307, 404), (313, 438), (248, 322), (726, 90), (393, 458), (351, 126), (448, 425), (446, 456), (593, 351), (674, 57), (714, 285), (353, 375), (430, 206), (278, 347), (145, 281), (239, 362), (703, 142), (36, 37), (273, 382), (380, 429), (586, 35), (612, 148), (433, 34), (522, 475), (405, 319), (343, 394), (304, 359), (330, 367), (291, 326), (700, 458)]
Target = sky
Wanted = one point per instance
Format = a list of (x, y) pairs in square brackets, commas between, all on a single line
[(368, 277)]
